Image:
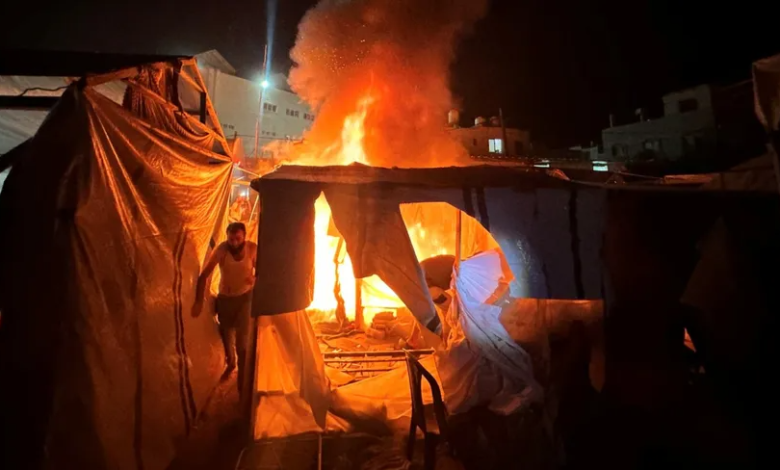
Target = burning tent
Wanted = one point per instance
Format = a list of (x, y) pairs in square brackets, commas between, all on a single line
[(112, 208), (376, 73), (565, 243)]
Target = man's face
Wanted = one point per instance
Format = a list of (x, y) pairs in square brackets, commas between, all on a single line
[(235, 239)]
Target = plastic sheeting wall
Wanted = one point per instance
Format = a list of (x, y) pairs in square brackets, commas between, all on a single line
[(18, 125), (109, 221), (551, 237)]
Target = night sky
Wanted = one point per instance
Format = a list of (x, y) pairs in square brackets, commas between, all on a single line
[(556, 67)]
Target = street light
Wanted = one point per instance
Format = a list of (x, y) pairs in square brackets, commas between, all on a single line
[(263, 85)]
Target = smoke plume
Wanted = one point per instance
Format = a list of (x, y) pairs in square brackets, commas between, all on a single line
[(395, 53)]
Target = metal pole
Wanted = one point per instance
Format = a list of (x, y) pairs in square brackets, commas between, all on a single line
[(319, 451), (458, 236), (251, 362), (458, 240), (505, 144), (359, 321), (262, 95), (774, 151), (250, 400)]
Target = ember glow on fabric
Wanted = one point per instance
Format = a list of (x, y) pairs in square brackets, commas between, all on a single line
[(530, 215), (110, 218), (292, 388), (478, 365)]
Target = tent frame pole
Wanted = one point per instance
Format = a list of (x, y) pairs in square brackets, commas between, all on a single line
[(359, 320), (458, 239), (458, 253), (250, 389), (249, 407)]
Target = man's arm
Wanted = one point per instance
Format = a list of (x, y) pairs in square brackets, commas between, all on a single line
[(205, 276)]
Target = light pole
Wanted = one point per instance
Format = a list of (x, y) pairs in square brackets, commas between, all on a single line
[(263, 85)]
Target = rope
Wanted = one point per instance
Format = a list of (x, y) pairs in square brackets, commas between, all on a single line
[(51, 90)]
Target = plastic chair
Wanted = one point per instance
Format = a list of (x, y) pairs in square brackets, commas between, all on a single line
[(416, 373)]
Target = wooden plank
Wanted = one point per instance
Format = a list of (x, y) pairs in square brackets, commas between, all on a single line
[(30, 103), (202, 113)]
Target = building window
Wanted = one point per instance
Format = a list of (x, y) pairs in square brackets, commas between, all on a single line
[(495, 146), (293, 113), (687, 105), (308, 116), (519, 147), (693, 143), (619, 150), (653, 145), (271, 108)]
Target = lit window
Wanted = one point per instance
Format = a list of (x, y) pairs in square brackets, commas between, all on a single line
[(495, 146), (542, 164), (600, 166)]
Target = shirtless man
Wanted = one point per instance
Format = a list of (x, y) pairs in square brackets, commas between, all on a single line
[(236, 259)]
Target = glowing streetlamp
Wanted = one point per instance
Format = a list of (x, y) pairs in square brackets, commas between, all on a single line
[(264, 84)]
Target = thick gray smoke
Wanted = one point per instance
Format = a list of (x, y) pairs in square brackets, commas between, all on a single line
[(398, 53)]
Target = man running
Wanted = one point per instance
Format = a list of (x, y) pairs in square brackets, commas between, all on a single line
[(236, 258)]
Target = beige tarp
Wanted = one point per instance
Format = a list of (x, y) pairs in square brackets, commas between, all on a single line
[(112, 215)]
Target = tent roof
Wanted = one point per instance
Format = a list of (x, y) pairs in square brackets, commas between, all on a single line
[(212, 58), (452, 177), (71, 63)]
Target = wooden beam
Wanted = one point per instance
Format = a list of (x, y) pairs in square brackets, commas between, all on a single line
[(39, 103), (203, 96)]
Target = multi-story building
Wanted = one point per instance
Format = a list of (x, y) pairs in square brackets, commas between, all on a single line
[(488, 138), (239, 102), (715, 125)]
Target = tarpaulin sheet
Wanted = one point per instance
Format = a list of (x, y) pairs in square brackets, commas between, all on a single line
[(110, 219), (292, 387), (481, 364), (378, 243), (478, 365), (18, 125), (550, 230)]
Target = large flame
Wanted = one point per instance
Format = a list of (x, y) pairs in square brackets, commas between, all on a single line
[(376, 296), (354, 132), (331, 257)]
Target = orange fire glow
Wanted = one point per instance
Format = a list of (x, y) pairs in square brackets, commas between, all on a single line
[(376, 295), (350, 147)]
